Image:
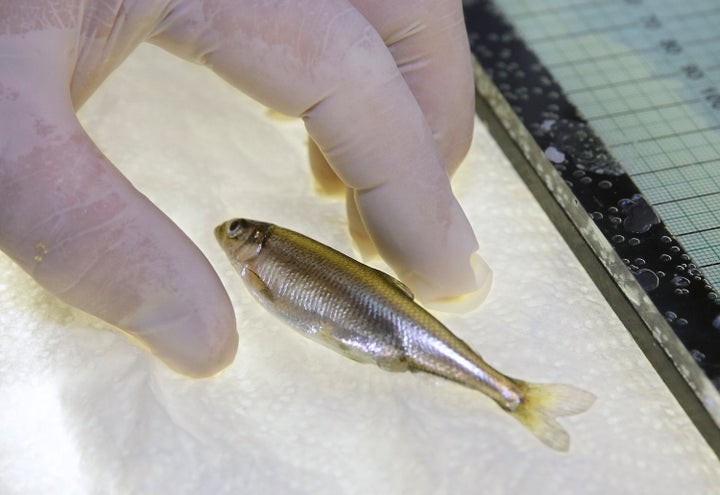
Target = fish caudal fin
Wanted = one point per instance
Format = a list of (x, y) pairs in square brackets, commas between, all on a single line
[(541, 406)]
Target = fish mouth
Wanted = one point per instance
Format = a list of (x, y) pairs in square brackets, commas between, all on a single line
[(220, 232)]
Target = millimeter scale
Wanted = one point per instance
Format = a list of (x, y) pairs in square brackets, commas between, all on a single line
[(610, 111)]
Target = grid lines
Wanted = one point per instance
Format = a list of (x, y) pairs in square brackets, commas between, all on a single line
[(646, 76)]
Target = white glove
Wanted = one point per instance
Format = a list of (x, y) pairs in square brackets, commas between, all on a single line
[(385, 90)]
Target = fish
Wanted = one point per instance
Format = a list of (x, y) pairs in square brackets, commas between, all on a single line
[(371, 317)]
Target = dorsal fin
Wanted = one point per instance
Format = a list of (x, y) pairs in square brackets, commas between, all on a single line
[(404, 288)]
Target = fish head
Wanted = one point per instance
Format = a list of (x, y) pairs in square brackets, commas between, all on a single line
[(241, 239)]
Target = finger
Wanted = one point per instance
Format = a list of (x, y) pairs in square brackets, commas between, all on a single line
[(72, 221), (326, 180), (357, 229), (324, 61), (429, 43)]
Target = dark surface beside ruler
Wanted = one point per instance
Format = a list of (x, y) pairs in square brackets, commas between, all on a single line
[(631, 226)]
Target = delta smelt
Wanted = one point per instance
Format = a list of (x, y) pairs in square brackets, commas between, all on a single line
[(369, 316)]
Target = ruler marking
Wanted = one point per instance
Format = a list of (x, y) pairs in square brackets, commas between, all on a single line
[(666, 136), (678, 200), (653, 77), (675, 167), (575, 34), (627, 53), (646, 109), (607, 56), (700, 231), (553, 10), (698, 13), (616, 27)]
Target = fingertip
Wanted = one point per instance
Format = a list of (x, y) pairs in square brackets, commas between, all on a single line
[(197, 343), (470, 300)]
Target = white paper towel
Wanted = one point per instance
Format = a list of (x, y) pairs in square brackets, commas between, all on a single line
[(84, 411)]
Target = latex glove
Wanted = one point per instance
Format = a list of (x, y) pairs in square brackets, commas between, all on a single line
[(385, 90)]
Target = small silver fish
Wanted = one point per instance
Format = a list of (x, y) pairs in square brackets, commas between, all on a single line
[(371, 317)]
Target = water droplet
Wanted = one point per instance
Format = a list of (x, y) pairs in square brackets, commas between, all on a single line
[(578, 173), (674, 249), (554, 155), (665, 257), (617, 238), (697, 355), (579, 142), (604, 184), (681, 322), (615, 220), (585, 180), (665, 239), (712, 296), (597, 216), (639, 262), (640, 215), (681, 292), (716, 321), (613, 211), (660, 273), (680, 282), (634, 241), (670, 316), (647, 278)]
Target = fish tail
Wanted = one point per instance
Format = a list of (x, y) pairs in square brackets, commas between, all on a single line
[(543, 403)]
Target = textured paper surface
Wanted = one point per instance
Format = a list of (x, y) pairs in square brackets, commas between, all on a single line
[(84, 411)]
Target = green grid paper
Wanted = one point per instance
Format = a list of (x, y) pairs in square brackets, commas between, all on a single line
[(644, 74)]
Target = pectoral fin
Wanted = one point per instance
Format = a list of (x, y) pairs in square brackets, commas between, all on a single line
[(256, 286)]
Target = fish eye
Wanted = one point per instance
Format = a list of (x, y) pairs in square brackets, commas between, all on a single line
[(235, 226)]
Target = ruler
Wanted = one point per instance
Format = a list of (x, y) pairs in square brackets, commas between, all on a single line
[(646, 75), (615, 105)]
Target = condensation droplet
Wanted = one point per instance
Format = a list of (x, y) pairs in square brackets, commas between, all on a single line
[(640, 216), (554, 155), (697, 355), (680, 282), (647, 279), (604, 184)]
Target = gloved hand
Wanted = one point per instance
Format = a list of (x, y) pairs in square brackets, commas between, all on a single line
[(385, 90)]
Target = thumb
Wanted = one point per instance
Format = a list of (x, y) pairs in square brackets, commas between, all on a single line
[(71, 220)]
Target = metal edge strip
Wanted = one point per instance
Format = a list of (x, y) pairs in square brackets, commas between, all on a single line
[(687, 382)]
